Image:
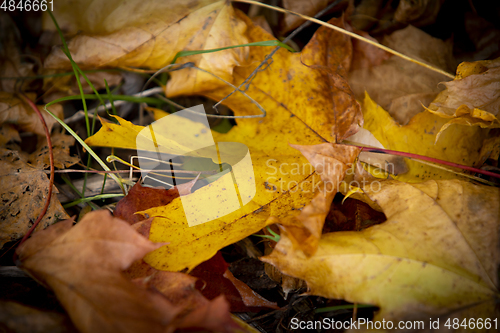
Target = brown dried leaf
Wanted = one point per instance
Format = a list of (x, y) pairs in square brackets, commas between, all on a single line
[(23, 191), (249, 297), (8, 133), (60, 146), (406, 86), (381, 16), (83, 265), (67, 85), (14, 111), (472, 98), (364, 55), (197, 311), (309, 8), (417, 13)]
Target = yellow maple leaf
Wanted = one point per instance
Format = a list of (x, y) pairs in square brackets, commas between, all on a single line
[(436, 254), (285, 182), (458, 144)]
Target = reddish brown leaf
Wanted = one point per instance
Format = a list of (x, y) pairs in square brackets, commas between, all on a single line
[(249, 297), (83, 265), (140, 198), (217, 278)]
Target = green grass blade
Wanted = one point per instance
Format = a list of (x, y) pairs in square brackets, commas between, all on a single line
[(90, 151), (87, 199), (133, 99), (275, 237), (263, 43), (68, 182)]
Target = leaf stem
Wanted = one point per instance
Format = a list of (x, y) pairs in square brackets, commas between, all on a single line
[(51, 158), (426, 158)]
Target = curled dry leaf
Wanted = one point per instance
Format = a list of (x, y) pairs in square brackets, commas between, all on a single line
[(306, 118), (420, 13), (473, 98), (331, 162), (288, 283), (15, 111), (23, 191), (149, 34), (436, 255)]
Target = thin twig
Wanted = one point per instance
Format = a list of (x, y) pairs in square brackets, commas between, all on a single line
[(353, 35), (264, 113), (270, 55), (51, 158), (80, 114), (192, 65), (126, 171)]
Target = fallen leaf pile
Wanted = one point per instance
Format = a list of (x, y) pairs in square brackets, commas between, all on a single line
[(303, 119), (414, 239)]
